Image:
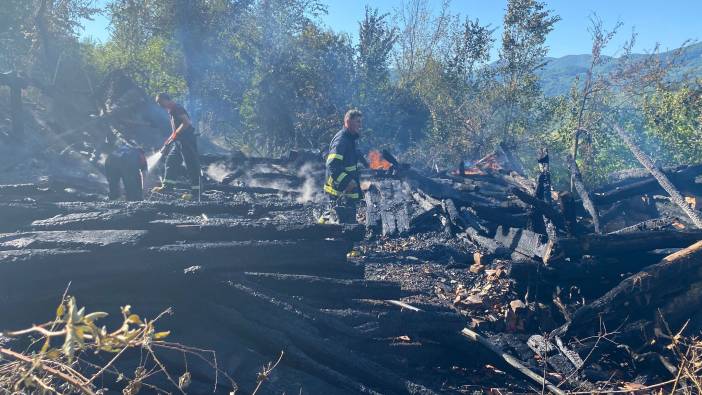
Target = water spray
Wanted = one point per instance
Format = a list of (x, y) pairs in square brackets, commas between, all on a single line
[(153, 160)]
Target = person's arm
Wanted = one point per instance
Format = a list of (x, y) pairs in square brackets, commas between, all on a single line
[(184, 124), (335, 164)]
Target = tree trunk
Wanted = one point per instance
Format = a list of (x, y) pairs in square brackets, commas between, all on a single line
[(675, 196)]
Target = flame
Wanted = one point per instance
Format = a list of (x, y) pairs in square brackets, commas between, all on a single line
[(376, 161), (487, 163)]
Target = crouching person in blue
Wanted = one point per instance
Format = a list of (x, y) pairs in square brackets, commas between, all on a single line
[(125, 165), (342, 184)]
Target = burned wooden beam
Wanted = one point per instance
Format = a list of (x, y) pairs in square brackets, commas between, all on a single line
[(511, 361), (569, 211), (648, 225), (527, 243), (577, 180), (641, 293), (683, 177), (326, 288), (541, 207), (662, 179), (301, 333), (281, 256), (228, 229), (623, 243)]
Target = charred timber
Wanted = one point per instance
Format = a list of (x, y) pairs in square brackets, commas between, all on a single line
[(577, 179), (682, 177), (662, 179), (651, 224), (307, 338), (217, 229), (285, 256), (623, 243), (540, 207), (641, 293), (326, 288)]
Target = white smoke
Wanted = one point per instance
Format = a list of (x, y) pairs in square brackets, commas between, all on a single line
[(217, 171), (102, 159), (310, 190)]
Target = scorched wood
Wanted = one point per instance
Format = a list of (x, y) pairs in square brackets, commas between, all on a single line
[(326, 288), (641, 293), (540, 207), (577, 179), (623, 243), (675, 196)]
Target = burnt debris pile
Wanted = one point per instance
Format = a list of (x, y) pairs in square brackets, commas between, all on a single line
[(586, 286), (458, 281), (451, 282), (248, 272)]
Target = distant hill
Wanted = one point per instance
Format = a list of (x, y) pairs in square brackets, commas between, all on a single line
[(558, 75)]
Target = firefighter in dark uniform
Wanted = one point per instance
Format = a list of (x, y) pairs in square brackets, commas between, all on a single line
[(125, 165), (182, 148), (342, 184)]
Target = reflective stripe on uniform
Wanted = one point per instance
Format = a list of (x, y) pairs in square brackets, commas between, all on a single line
[(330, 190), (341, 177), (196, 187), (331, 157), (169, 182), (351, 168)]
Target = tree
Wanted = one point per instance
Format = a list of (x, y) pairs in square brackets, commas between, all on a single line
[(673, 119), (526, 25)]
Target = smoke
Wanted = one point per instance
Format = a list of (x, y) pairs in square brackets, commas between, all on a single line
[(217, 171), (310, 190), (102, 159)]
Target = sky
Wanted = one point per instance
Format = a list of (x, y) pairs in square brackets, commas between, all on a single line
[(667, 22)]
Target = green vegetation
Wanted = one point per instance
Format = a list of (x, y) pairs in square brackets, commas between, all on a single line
[(265, 76)]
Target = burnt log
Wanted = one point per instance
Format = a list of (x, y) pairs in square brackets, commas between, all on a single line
[(326, 288), (511, 361), (540, 207), (489, 247), (227, 229), (249, 189), (306, 337), (683, 177), (622, 243), (524, 242), (651, 224), (308, 256), (640, 294), (577, 179), (662, 179), (77, 240), (569, 211), (19, 215), (95, 220)]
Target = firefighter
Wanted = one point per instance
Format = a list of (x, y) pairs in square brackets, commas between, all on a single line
[(125, 165), (181, 147), (342, 184)]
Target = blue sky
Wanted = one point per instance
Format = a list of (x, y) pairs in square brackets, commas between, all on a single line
[(669, 23)]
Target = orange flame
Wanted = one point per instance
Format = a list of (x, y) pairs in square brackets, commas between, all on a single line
[(376, 161)]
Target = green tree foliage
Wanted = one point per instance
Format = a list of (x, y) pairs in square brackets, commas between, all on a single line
[(35, 34), (673, 119), (526, 25), (266, 76)]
